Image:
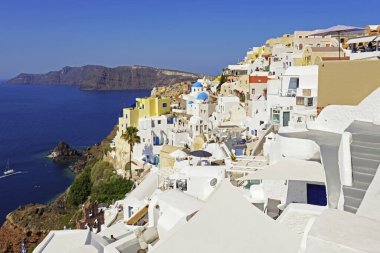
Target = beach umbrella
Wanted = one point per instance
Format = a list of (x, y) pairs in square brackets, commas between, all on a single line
[(200, 153), (336, 30), (178, 154)]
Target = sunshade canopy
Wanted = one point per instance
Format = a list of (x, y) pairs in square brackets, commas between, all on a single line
[(200, 153), (290, 169), (228, 223), (336, 30)]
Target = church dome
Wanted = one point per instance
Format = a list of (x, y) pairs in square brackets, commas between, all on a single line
[(202, 96), (197, 85)]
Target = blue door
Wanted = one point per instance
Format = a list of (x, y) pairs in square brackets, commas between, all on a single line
[(316, 194), (156, 140)]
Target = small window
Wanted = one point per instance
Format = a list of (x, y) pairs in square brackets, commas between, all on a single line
[(294, 83), (310, 102), (158, 122), (164, 105), (300, 101)]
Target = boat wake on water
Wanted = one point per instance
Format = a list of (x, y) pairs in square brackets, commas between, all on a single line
[(14, 173)]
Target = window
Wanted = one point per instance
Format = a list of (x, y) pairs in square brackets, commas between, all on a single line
[(164, 105), (310, 102), (300, 47), (294, 83), (158, 122), (196, 128), (300, 101)]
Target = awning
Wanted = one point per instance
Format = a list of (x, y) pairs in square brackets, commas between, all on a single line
[(200, 153), (362, 39), (290, 169)]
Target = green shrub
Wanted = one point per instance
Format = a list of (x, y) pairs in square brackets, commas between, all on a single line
[(98, 181), (113, 189), (80, 189), (101, 172)]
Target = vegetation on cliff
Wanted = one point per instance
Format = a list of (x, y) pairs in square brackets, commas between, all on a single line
[(99, 181)]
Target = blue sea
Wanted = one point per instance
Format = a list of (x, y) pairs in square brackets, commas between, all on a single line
[(33, 119)]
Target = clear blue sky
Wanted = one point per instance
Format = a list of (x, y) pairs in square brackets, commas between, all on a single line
[(197, 35)]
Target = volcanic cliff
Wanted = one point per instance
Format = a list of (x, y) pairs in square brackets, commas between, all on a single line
[(93, 77)]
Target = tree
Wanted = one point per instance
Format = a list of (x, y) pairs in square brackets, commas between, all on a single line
[(222, 81), (81, 188), (132, 138)]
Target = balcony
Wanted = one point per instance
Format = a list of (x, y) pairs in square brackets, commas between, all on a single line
[(287, 93)]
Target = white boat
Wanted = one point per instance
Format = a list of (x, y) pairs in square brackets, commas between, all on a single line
[(8, 170)]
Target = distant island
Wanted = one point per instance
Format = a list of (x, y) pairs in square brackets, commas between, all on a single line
[(93, 77)]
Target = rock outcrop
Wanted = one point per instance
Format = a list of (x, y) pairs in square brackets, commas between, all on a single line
[(92, 77), (63, 152)]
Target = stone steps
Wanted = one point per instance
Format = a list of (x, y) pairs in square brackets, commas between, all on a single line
[(365, 170), (354, 191), (362, 177), (361, 160), (352, 202), (370, 137), (350, 209), (365, 158), (365, 149)]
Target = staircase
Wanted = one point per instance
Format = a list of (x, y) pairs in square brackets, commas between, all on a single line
[(365, 158)]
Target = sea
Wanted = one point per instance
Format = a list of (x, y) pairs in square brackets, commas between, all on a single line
[(33, 119)]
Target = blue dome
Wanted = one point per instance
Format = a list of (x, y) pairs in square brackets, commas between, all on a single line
[(190, 102), (197, 85), (202, 96)]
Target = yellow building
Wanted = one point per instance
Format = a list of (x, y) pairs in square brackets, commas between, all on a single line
[(310, 54), (145, 107), (166, 160), (346, 82), (285, 40)]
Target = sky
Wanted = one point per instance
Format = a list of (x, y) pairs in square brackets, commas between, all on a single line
[(200, 36)]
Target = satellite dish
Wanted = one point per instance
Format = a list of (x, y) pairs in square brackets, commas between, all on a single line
[(213, 182)]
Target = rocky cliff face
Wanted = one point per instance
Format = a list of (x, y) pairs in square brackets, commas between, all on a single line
[(33, 222), (92, 77), (171, 91)]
